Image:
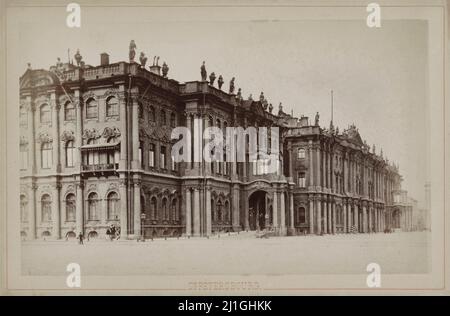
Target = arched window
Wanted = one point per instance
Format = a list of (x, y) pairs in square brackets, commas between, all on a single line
[(218, 124), (213, 210), (219, 211), (226, 212), (165, 210), (70, 207), (174, 209), (163, 117), (23, 117), (301, 215), (46, 208), (92, 206), (151, 113), (45, 114), (23, 208), (46, 155), (173, 120), (153, 208), (112, 107), (69, 111), (91, 109), (23, 156), (113, 206), (301, 153), (70, 153)]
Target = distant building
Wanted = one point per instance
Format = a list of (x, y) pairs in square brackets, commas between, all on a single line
[(95, 150)]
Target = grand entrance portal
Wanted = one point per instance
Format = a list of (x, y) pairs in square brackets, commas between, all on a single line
[(257, 211)]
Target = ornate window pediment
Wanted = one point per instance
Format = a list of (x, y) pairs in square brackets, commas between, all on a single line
[(67, 136), (109, 132), (91, 134), (44, 138)]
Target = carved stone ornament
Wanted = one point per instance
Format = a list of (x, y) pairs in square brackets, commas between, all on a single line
[(91, 134), (44, 138), (67, 136), (111, 92), (88, 95), (109, 132)]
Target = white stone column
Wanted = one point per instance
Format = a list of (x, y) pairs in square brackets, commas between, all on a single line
[(196, 212), (56, 209), (135, 134), (30, 135), (325, 218), (333, 212), (123, 209), (189, 126), (32, 211), (364, 219), (56, 167), (329, 218), (311, 164), (356, 217), (137, 208), (123, 133), (208, 211), (282, 213), (236, 207), (188, 213), (318, 216), (80, 209), (370, 212), (275, 211), (291, 212), (345, 217), (79, 129), (311, 216)]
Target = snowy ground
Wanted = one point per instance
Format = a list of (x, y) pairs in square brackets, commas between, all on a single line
[(235, 254)]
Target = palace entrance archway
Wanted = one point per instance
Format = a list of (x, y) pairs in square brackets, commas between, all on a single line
[(257, 210)]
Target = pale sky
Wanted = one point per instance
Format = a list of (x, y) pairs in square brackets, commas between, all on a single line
[(379, 76)]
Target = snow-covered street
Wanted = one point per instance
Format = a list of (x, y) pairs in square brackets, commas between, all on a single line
[(234, 254)]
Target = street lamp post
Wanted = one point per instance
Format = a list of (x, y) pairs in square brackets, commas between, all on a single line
[(142, 226)]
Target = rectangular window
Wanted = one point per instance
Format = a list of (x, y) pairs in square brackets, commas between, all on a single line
[(162, 158), (69, 158), (173, 162), (301, 180), (301, 154), (47, 159), (151, 156)]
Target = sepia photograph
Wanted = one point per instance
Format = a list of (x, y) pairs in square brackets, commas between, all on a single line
[(225, 148)]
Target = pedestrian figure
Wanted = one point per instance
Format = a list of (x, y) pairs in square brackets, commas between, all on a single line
[(80, 239)]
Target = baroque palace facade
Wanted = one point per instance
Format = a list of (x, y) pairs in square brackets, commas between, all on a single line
[(95, 150)]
